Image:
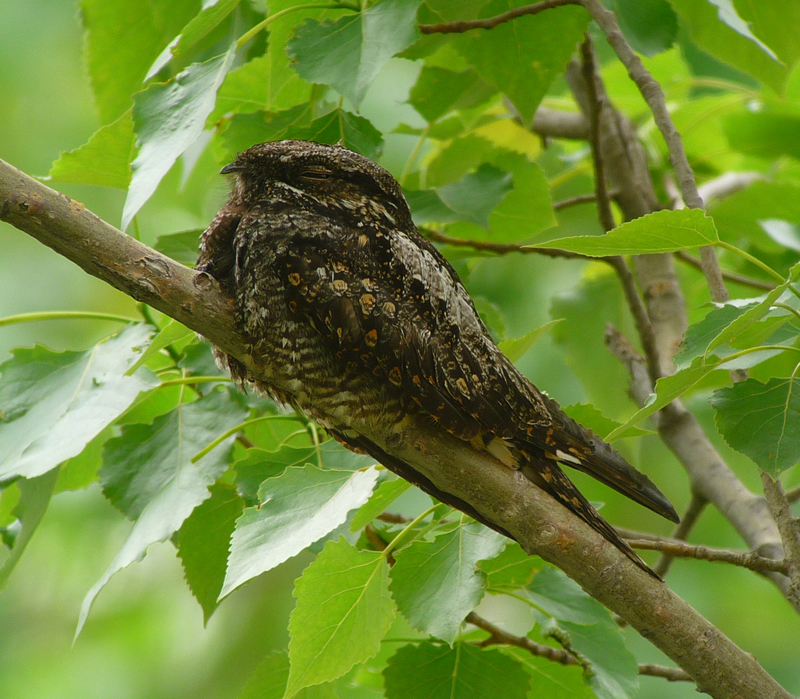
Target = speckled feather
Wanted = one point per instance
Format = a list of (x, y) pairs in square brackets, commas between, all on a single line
[(355, 318)]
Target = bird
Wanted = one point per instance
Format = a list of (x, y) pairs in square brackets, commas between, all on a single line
[(352, 316)]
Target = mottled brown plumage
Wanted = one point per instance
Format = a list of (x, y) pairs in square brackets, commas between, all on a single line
[(356, 319)]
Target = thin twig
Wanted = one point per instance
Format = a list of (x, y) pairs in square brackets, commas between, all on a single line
[(501, 248), (491, 22), (606, 216), (654, 96), (793, 494), (681, 549), (684, 256), (779, 507), (580, 199), (498, 636), (392, 518), (681, 533)]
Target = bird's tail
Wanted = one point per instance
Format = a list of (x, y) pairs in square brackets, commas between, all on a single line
[(549, 476)]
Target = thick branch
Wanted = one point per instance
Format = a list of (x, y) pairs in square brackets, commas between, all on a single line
[(496, 494)]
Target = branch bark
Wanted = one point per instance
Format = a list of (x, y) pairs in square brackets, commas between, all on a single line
[(498, 495)]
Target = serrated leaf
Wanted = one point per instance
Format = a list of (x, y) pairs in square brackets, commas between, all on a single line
[(35, 494), (649, 25), (269, 682), (298, 508), (513, 568), (762, 421), (348, 53), (552, 680), (181, 247), (662, 231), (202, 23), (123, 37), (343, 127), (148, 474), (516, 348), (437, 583), (726, 11), (54, 403), (561, 598), (81, 471), (477, 194), (439, 91), (203, 542), (614, 671), (591, 417), (535, 50), (343, 611), (172, 332), (104, 160), (385, 494), (169, 117), (700, 335), (714, 36), (462, 672)]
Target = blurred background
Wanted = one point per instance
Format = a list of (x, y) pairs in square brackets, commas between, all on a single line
[(145, 635)]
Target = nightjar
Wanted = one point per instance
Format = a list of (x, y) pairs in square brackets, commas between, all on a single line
[(353, 317)]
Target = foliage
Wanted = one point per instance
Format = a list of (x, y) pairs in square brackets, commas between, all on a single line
[(239, 485)]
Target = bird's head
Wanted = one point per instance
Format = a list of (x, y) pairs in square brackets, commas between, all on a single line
[(327, 178)]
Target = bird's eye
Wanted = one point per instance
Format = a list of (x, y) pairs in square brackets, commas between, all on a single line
[(315, 175)]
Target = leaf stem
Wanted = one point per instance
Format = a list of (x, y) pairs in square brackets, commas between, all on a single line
[(310, 6), (61, 315), (747, 256), (413, 523), (233, 430), (193, 380)]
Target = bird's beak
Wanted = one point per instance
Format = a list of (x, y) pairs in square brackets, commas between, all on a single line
[(232, 167)]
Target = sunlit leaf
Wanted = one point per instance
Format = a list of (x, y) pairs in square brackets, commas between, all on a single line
[(462, 672), (202, 23), (663, 231), (513, 568), (516, 348), (297, 508), (54, 403), (343, 610), (168, 118), (385, 494), (349, 52), (437, 583)]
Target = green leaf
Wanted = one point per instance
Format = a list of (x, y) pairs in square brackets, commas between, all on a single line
[(552, 680), (55, 403), (348, 53), (516, 348), (439, 91), (668, 389), (614, 671), (35, 494), (345, 128), (769, 133), (385, 494), (245, 130), (81, 471), (663, 231), (477, 194), (535, 50), (171, 333), (716, 37), (437, 583), (343, 611), (513, 568), (123, 38), (148, 474), (650, 26), (298, 508), (181, 247), (269, 682), (104, 160), (784, 233), (209, 18), (203, 542), (591, 417), (168, 118), (700, 335), (561, 598), (761, 421), (462, 672)]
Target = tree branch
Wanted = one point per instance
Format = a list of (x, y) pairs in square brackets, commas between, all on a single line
[(461, 26), (498, 495), (779, 506), (654, 96), (693, 511)]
